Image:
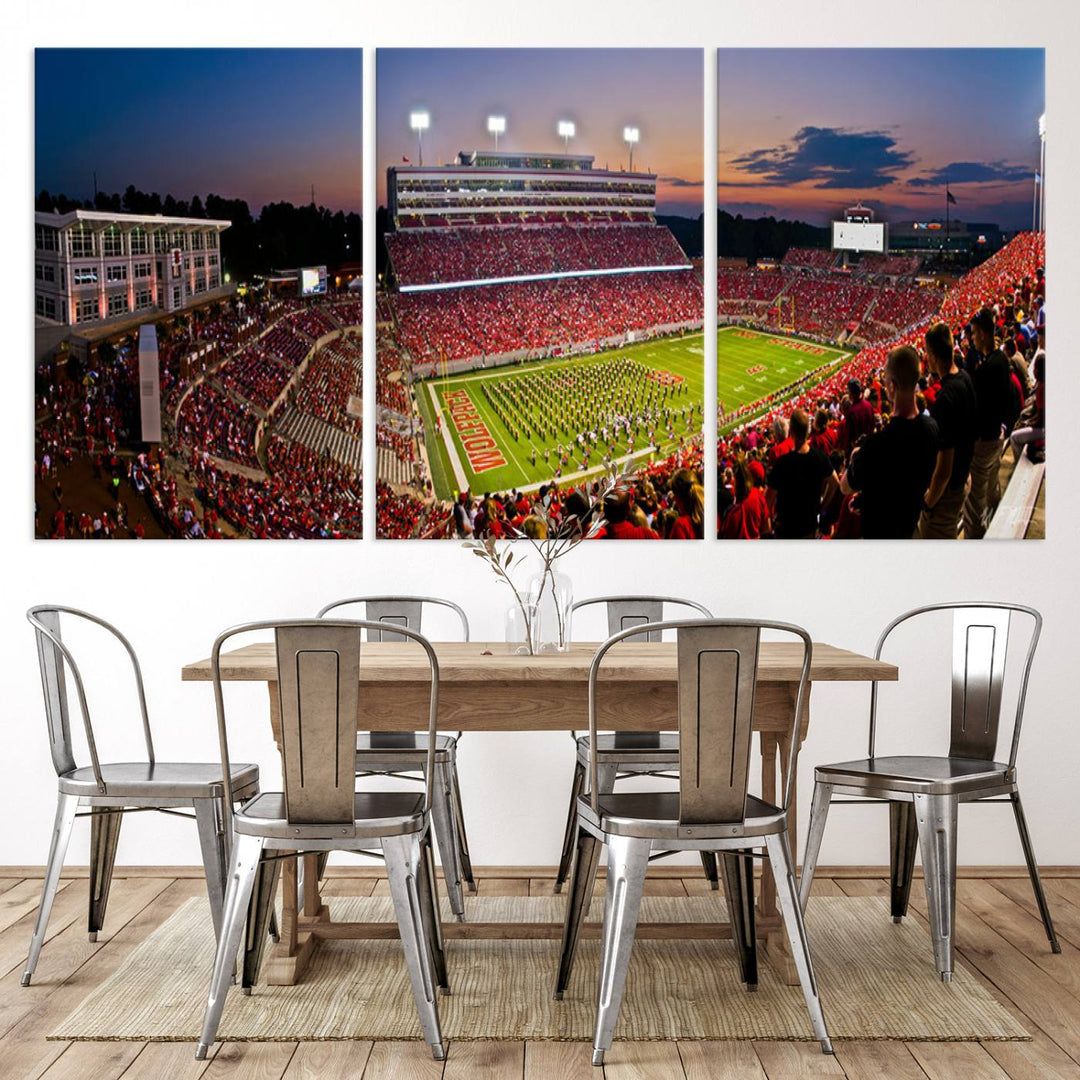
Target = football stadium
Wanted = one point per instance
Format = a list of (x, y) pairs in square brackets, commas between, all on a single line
[(538, 325)]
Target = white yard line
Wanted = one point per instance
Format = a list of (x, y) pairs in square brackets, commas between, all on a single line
[(448, 441)]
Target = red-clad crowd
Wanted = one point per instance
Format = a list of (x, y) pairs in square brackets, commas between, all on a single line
[(255, 373), (427, 256), (492, 320), (661, 501), (823, 306), (333, 376), (812, 258)]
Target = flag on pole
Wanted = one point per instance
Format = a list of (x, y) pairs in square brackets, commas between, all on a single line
[(404, 160), (949, 196), (1038, 178)]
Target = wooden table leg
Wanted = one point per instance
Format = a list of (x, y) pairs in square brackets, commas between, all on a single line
[(287, 960)]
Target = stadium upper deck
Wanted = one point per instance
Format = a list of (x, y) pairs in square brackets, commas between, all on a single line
[(495, 218), (486, 187)]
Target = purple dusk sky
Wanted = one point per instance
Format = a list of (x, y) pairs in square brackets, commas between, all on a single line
[(803, 133), (602, 90)]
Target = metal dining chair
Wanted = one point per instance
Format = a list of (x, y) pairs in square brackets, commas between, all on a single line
[(712, 811), (109, 790), (318, 666), (627, 753), (924, 792), (402, 754)]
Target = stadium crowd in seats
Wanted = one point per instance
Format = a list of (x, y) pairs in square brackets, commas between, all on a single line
[(423, 257), (540, 316), (811, 258)]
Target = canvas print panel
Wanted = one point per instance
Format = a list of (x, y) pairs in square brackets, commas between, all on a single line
[(881, 293), (197, 293), (540, 299)]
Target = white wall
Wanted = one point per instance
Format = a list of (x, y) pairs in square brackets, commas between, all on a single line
[(172, 598)]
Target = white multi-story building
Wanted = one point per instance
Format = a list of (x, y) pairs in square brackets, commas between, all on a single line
[(94, 266)]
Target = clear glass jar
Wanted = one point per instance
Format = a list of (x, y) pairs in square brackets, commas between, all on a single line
[(522, 628), (553, 595)]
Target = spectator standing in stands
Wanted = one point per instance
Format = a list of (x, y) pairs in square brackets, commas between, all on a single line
[(955, 412), (617, 524), (1033, 434), (891, 468), (997, 412), (462, 517), (690, 504), (796, 482), (749, 518), (859, 419)]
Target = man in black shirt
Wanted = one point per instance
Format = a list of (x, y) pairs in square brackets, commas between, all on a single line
[(954, 412), (996, 413), (795, 483), (891, 467)]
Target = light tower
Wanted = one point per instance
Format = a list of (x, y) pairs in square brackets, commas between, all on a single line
[(420, 121), (566, 129), (496, 126), (630, 136)]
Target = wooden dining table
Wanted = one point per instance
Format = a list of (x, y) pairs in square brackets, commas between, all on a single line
[(636, 691)]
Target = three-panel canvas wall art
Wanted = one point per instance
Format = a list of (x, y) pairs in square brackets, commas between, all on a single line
[(541, 291)]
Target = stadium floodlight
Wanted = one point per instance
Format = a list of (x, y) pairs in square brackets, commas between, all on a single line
[(630, 136), (496, 126), (420, 121), (1042, 126), (567, 129)]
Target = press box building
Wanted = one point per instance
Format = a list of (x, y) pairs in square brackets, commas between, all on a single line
[(94, 266)]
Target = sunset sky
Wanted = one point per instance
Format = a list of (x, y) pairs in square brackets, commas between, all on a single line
[(803, 133), (257, 124), (602, 90)]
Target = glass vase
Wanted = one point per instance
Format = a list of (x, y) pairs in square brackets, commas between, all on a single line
[(553, 595), (522, 624)]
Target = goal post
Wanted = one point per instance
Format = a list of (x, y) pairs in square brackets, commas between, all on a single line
[(786, 315)]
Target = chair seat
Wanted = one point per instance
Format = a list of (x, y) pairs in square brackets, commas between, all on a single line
[(398, 745), (376, 813), (921, 775), (163, 779), (655, 815), (633, 748)]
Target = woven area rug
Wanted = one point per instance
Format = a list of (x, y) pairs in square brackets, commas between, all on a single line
[(877, 981)]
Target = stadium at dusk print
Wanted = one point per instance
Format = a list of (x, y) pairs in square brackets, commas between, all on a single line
[(881, 307), (540, 301), (197, 293)]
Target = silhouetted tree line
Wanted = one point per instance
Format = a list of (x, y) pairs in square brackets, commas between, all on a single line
[(281, 237), (764, 237)]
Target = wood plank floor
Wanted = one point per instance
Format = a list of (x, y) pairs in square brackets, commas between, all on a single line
[(998, 935)]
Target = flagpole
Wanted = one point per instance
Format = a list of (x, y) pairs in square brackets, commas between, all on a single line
[(1034, 199), (946, 217)]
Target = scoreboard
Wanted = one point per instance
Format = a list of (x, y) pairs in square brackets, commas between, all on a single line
[(859, 236), (312, 280)]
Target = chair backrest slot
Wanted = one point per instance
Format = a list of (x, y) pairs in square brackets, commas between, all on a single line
[(717, 668), (624, 614), (54, 687), (980, 642), (319, 688), (396, 612)]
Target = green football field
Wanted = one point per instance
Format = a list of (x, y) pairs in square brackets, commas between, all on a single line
[(752, 364), (484, 453)]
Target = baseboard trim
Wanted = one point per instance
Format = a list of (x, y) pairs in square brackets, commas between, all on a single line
[(668, 871)]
